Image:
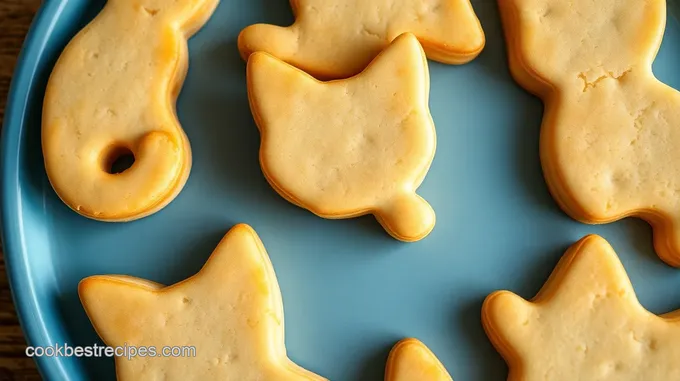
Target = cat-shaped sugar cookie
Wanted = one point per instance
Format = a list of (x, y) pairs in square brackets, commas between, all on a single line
[(230, 313), (584, 324), (337, 39), (349, 147), (111, 94), (411, 360), (610, 141)]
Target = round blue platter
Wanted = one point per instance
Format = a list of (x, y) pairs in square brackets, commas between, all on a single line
[(349, 290)]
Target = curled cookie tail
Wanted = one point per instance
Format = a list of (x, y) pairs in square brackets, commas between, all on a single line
[(102, 185), (667, 239), (281, 42), (408, 217), (160, 169)]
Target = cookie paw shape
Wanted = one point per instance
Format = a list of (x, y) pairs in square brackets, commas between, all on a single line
[(349, 147), (411, 360), (337, 39), (227, 320), (112, 95), (610, 142), (585, 324)]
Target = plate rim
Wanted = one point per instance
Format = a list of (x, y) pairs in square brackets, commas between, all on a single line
[(23, 85), (22, 88)]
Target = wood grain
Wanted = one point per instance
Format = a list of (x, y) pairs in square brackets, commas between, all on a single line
[(15, 19)]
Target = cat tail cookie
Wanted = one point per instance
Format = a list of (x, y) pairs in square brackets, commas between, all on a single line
[(230, 313), (609, 142), (588, 313), (332, 40), (350, 147), (110, 98), (411, 360)]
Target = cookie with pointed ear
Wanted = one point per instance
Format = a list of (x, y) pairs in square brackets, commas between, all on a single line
[(609, 140), (337, 39), (110, 101), (411, 360), (584, 324), (349, 147), (228, 318)]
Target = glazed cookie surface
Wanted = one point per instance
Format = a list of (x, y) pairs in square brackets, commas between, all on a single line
[(411, 360), (111, 96), (349, 147), (337, 39), (609, 141), (585, 324), (231, 312)]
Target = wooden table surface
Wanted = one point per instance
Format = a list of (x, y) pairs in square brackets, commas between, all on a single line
[(15, 19)]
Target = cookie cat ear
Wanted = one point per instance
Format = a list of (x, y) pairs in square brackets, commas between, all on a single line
[(589, 267), (278, 41), (411, 360), (401, 68), (239, 254), (108, 301), (275, 87)]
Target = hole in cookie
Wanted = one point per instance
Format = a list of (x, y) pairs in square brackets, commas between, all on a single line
[(118, 160)]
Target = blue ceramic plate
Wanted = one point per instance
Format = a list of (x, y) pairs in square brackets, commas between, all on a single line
[(350, 292)]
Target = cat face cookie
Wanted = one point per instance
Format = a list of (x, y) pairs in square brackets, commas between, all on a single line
[(110, 96), (609, 142), (338, 39), (230, 312), (349, 147), (411, 360), (585, 324)]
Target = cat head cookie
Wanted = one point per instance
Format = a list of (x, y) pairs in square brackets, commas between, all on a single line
[(111, 97), (349, 147), (338, 39), (609, 141), (230, 313), (569, 42), (411, 360), (585, 324)]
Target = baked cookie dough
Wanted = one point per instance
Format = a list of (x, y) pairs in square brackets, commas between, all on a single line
[(349, 147)]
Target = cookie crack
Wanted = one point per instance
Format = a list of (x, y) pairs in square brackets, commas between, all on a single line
[(365, 31), (610, 75), (151, 11)]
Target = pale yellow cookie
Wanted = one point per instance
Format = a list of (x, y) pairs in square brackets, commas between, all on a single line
[(411, 360), (230, 312), (349, 147), (585, 324), (112, 93), (337, 39), (610, 142)]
